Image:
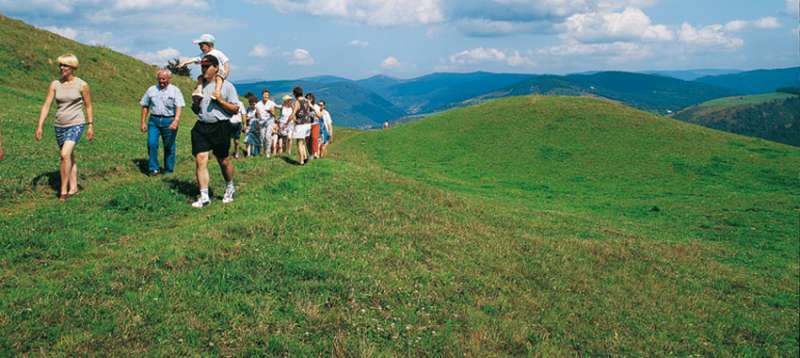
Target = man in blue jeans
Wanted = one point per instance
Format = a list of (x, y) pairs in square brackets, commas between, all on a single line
[(163, 103)]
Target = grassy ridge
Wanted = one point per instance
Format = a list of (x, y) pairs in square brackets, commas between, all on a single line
[(526, 226), (745, 100), (773, 116)]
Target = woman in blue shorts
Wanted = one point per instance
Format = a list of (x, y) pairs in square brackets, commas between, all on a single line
[(72, 95)]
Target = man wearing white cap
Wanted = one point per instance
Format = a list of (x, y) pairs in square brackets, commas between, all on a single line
[(206, 43)]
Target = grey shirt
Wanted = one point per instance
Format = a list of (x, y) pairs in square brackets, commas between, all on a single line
[(163, 102), (211, 111)]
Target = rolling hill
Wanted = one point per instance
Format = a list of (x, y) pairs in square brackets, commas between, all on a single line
[(773, 116), (648, 92), (756, 82), (525, 226)]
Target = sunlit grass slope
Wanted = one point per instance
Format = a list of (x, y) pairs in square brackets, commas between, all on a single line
[(526, 226), (27, 66)]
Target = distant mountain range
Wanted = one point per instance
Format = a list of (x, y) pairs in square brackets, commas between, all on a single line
[(371, 101), (691, 75), (755, 82)]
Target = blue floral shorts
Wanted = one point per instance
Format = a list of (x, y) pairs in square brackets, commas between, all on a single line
[(64, 134)]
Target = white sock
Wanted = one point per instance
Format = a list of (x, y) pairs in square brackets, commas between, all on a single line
[(204, 194), (230, 185)]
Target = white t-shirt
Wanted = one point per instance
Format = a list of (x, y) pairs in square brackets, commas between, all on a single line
[(326, 118), (265, 109), (237, 118), (220, 57)]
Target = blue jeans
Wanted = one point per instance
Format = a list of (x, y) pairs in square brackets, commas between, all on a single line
[(159, 126)]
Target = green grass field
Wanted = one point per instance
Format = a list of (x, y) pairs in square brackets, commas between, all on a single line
[(529, 226), (727, 102)]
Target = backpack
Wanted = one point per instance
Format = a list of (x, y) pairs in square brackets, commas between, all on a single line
[(303, 114)]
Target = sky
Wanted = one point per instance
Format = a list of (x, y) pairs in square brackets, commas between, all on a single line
[(282, 39)]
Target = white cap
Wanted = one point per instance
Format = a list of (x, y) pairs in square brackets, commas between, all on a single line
[(209, 38)]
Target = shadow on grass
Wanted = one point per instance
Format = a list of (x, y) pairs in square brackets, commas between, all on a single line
[(142, 164), (289, 160), (185, 188), (52, 179)]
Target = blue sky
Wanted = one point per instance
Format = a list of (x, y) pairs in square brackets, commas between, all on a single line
[(281, 39)]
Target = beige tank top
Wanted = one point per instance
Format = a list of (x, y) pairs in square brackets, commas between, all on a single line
[(69, 102)]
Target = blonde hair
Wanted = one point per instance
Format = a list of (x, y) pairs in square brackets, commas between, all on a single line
[(69, 60)]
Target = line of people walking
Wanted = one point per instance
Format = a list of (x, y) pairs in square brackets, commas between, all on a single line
[(300, 122)]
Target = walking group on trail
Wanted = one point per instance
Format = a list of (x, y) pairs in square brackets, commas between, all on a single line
[(270, 129)]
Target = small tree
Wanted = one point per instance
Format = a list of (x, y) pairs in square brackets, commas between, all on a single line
[(172, 66)]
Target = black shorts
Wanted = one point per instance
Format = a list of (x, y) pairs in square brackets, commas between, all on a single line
[(216, 137), (236, 130)]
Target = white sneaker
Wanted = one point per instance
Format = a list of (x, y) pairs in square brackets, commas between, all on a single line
[(200, 203), (228, 197)]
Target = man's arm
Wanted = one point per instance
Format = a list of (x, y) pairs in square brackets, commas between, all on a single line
[(230, 107), (177, 119), (230, 100), (145, 112)]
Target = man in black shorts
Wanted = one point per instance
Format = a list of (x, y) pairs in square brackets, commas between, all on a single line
[(212, 132)]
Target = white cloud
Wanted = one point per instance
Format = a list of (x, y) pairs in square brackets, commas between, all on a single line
[(390, 63), (37, 6), (793, 7), (474, 17), (736, 25), (767, 23), (487, 27), (358, 44), (630, 24), (374, 12), (127, 5), (484, 55), (260, 50), (762, 23), (67, 32), (301, 57), (160, 57), (615, 51), (712, 36), (71, 7)]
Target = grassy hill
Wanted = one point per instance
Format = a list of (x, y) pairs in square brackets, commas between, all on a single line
[(528, 226), (649, 92), (756, 82), (773, 116)]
